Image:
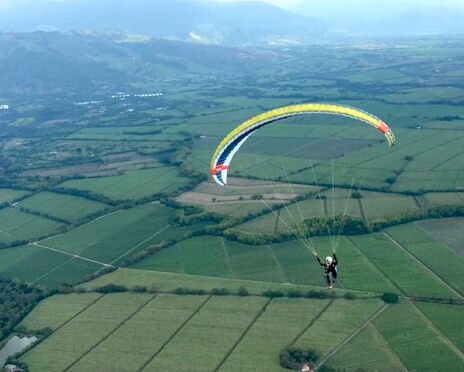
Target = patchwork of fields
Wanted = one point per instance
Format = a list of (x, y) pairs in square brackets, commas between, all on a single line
[(404, 260), (125, 152), (136, 184), (106, 241), (145, 332)]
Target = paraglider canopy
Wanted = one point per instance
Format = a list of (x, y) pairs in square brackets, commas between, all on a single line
[(226, 150)]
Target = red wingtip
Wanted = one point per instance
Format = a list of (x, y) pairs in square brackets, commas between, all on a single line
[(218, 168), (383, 128)]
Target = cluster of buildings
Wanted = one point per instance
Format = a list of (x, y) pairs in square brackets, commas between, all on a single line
[(122, 95)]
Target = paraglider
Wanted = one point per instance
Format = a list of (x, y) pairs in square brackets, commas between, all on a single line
[(226, 150), (330, 267), (229, 146)]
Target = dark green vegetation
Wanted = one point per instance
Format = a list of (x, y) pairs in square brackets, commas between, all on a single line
[(112, 178), (16, 301)]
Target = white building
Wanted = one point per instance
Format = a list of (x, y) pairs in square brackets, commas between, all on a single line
[(4, 107)]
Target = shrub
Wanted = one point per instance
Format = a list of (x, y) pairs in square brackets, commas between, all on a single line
[(187, 291), (349, 296), (295, 294), (140, 289), (111, 288), (390, 298), (356, 195), (219, 292), (273, 294), (318, 294), (242, 292)]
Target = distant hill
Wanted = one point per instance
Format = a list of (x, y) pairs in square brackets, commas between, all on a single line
[(47, 62), (397, 17), (226, 23)]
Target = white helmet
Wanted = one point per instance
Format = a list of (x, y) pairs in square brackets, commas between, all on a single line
[(329, 259)]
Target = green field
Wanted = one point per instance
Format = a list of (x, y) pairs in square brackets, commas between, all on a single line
[(62, 160), (441, 259), (117, 235), (9, 195), (449, 231), (363, 263), (204, 333), (414, 341), (17, 225), (135, 184), (64, 207), (368, 351), (407, 275), (42, 266)]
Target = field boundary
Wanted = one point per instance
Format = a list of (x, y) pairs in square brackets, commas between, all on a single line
[(361, 210), (72, 255), (52, 270), (226, 253), (353, 334), (166, 343), (438, 332), (244, 333), (80, 312), (376, 266), (124, 321), (422, 264), (387, 344), (139, 244), (312, 321), (278, 263)]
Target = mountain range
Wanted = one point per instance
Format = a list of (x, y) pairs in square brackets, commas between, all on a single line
[(46, 63), (201, 21)]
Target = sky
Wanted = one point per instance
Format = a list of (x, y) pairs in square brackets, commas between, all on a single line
[(286, 4)]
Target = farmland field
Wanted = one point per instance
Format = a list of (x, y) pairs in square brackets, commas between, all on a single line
[(8, 195), (108, 189), (147, 332), (364, 264), (116, 235), (17, 225), (414, 341), (65, 207), (448, 231), (135, 184)]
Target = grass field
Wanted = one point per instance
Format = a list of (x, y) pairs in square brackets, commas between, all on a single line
[(65, 207), (135, 184), (363, 263), (117, 235), (203, 333), (448, 319), (147, 332), (55, 311), (435, 255), (367, 351), (17, 225), (414, 341), (415, 85), (408, 275), (44, 267), (449, 231), (8, 195)]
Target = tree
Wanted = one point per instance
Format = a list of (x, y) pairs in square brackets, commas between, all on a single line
[(294, 358)]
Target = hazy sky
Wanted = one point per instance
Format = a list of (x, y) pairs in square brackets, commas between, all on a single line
[(280, 3)]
